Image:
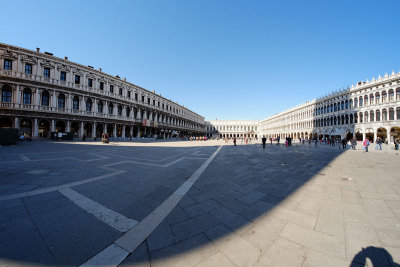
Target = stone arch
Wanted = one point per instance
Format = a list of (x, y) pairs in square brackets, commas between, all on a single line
[(369, 134), (87, 129), (25, 126), (75, 128), (110, 130), (60, 126), (382, 133), (394, 133), (359, 134), (43, 128), (99, 129)]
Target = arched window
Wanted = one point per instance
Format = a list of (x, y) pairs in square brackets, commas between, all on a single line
[(335, 107), (360, 100), (384, 97), (377, 98), (342, 105), (6, 94), (366, 116), (355, 118), (75, 103), (378, 115), (346, 104), (351, 103), (45, 98), (128, 111), (398, 113), (355, 102), (391, 95), (351, 118), (371, 99), (100, 106), (27, 96), (366, 100), (398, 94), (61, 101), (338, 120), (384, 114), (89, 105), (361, 117), (391, 114), (110, 108), (347, 119), (371, 116), (338, 106)]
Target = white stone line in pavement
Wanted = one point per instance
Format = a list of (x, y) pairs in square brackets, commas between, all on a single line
[(111, 256), (58, 187), (110, 217), (145, 163), (134, 237), (24, 157)]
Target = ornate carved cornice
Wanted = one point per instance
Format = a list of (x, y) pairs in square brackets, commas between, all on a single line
[(47, 63), (9, 54), (28, 59), (63, 67)]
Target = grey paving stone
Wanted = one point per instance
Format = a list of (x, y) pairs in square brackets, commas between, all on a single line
[(53, 216), (12, 228), (228, 218), (12, 203), (13, 213), (200, 208), (186, 201), (256, 210), (194, 226), (140, 257), (251, 197), (161, 237), (177, 215), (77, 239)]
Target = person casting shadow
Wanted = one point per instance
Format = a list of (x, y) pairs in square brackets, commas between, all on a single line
[(378, 256)]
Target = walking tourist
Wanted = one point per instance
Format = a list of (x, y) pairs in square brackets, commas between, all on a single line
[(264, 140), (353, 143), (234, 141), (366, 144), (396, 143), (379, 142)]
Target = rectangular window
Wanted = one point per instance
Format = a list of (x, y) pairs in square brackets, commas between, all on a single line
[(162, 106), (7, 64), (136, 96), (28, 68), (154, 102), (46, 72), (63, 76), (129, 94), (90, 82), (101, 86), (77, 79), (120, 91), (158, 103), (143, 98), (112, 88), (148, 100)]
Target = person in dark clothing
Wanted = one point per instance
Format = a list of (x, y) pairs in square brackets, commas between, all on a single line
[(234, 141), (344, 143), (263, 139)]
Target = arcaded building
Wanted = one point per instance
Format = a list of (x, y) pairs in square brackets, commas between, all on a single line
[(231, 128), (369, 109), (41, 93)]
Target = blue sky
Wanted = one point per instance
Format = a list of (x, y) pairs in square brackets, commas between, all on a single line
[(222, 59)]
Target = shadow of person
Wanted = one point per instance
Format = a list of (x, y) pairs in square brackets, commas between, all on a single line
[(378, 257)]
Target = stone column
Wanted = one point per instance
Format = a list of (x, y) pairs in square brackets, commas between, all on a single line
[(68, 126), (123, 131), (115, 130), (138, 114), (18, 94), (105, 128), (37, 99), (16, 123), (82, 130), (94, 130), (35, 129), (53, 126)]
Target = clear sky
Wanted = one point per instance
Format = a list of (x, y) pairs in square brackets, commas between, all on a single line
[(223, 59)]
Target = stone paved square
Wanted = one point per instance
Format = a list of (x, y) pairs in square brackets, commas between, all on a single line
[(200, 203)]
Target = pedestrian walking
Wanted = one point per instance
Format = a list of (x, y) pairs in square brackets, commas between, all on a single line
[(264, 140), (366, 144), (396, 143), (344, 143), (353, 143), (234, 141)]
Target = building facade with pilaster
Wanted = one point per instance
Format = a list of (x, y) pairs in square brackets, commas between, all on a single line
[(232, 128), (41, 93)]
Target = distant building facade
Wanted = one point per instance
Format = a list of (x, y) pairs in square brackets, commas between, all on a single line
[(41, 93), (370, 109), (231, 128)]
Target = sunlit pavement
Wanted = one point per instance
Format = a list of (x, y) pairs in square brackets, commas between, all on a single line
[(200, 203)]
